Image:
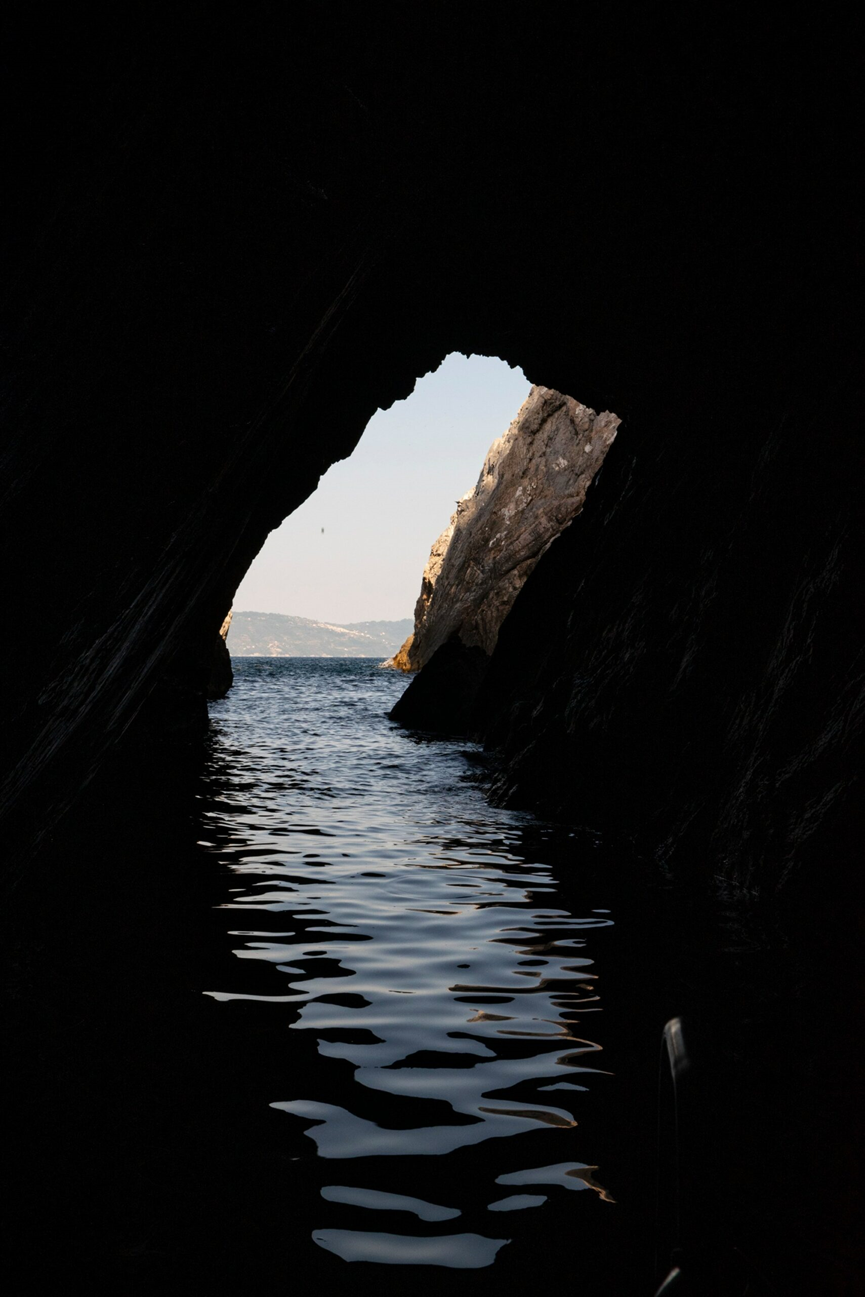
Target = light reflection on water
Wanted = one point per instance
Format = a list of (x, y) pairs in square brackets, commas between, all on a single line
[(380, 905)]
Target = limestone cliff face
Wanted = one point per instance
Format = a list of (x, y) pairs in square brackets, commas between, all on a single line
[(406, 658), (533, 483)]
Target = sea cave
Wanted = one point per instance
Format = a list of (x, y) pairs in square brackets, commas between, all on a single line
[(229, 245)]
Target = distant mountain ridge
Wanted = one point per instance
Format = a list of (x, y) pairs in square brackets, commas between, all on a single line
[(273, 634)]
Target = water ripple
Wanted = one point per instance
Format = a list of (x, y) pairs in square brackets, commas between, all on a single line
[(427, 958)]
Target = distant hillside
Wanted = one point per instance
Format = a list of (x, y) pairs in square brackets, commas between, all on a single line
[(272, 634)]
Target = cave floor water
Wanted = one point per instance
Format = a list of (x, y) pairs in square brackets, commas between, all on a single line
[(312, 1011), (437, 1004)]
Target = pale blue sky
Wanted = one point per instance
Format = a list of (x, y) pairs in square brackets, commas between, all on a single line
[(382, 508)]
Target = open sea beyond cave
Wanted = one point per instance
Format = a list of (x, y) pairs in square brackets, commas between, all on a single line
[(445, 1096)]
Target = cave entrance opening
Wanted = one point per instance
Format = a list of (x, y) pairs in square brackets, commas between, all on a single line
[(425, 948), (341, 575)]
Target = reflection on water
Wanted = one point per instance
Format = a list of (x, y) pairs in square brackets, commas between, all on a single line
[(379, 905)]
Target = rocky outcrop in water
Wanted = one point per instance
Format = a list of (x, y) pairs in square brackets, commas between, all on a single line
[(533, 483), (441, 698), (221, 676)]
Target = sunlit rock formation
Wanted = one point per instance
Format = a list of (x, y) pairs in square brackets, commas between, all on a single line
[(533, 483), (407, 657)]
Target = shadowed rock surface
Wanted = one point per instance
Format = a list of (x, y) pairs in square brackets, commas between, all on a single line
[(533, 483), (441, 698), (221, 676), (753, 772)]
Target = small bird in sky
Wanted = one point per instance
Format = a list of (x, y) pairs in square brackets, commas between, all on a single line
[(322, 531)]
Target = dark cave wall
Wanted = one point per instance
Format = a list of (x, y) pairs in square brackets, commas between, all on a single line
[(231, 248), (685, 665)]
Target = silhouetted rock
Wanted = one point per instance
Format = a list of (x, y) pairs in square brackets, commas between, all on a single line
[(441, 697), (221, 675), (624, 692), (533, 483)]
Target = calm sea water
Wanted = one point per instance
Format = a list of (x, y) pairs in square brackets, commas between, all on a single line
[(445, 999)]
